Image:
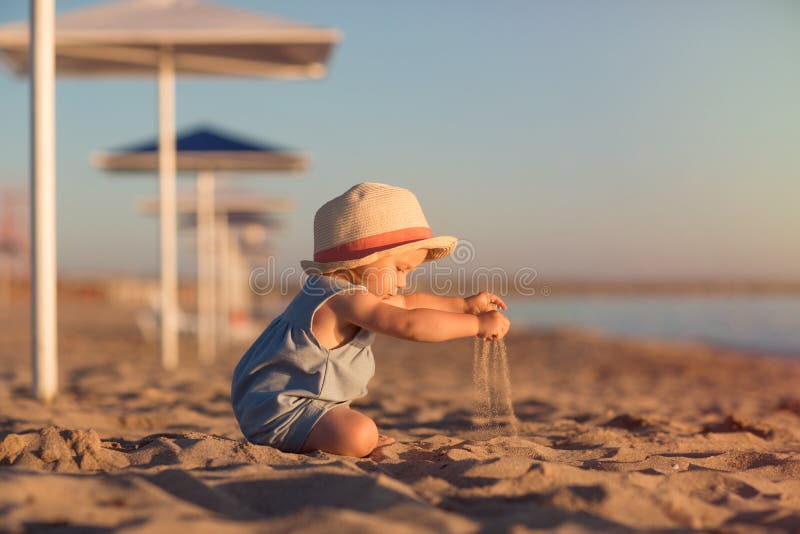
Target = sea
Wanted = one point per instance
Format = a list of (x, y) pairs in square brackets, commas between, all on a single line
[(768, 324)]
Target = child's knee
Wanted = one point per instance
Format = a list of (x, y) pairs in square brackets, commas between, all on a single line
[(345, 432), (357, 436), (363, 437)]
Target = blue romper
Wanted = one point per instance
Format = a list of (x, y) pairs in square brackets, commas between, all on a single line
[(286, 381)]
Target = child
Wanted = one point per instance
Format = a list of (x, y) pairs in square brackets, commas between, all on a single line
[(293, 387)]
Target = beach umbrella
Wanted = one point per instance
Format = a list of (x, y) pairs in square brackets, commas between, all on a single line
[(207, 150), (235, 212), (139, 37), (204, 148)]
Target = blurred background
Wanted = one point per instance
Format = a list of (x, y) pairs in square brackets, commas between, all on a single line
[(641, 158)]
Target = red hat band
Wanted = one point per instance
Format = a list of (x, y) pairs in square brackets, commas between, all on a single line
[(359, 248)]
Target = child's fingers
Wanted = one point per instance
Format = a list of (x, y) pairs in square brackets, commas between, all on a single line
[(494, 299)]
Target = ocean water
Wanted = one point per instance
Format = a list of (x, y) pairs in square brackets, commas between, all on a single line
[(762, 323)]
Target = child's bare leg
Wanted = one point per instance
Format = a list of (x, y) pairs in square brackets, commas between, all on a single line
[(346, 432)]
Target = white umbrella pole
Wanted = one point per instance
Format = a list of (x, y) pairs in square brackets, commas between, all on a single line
[(169, 224), (235, 281), (43, 205), (223, 272), (206, 280)]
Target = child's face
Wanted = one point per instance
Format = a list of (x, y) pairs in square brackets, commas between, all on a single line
[(387, 275)]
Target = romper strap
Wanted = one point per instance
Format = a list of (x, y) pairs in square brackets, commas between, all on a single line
[(314, 293)]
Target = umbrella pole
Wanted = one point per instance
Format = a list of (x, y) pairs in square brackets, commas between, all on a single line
[(206, 335), (43, 205), (166, 169), (223, 272)]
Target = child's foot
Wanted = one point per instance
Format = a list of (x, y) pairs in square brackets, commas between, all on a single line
[(377, 453), (384, 440)]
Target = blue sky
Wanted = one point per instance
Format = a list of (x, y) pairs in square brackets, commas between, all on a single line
[(583, 139)]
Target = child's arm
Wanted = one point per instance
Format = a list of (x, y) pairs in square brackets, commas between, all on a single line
[(435, 302), (421, 324), (475, 304)]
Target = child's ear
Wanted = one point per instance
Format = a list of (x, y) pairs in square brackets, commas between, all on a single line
[(347, 274)]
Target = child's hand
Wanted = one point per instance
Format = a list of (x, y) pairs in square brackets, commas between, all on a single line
[(492, 325), (483, 302)]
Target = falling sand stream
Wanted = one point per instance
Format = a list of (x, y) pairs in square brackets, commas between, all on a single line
[(494, 410)]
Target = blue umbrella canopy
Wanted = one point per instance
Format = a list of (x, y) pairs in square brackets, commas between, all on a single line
[(205, 148)]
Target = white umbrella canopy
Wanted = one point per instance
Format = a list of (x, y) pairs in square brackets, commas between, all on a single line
[(139, 37), (127, 38), (226, 202)]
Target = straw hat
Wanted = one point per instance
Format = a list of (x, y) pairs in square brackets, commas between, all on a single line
[(370, 221)]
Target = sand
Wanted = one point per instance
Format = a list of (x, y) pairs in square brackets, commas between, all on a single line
[(494, 406), (614, 435)]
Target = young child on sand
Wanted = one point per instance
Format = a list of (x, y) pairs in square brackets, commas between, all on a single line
[(293, 387)]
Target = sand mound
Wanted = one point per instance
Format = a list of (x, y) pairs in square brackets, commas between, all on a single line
[(65, 450), (55, 449)]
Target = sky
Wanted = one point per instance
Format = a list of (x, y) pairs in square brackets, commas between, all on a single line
[(592, 140)]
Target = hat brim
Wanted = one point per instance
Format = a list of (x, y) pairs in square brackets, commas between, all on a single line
[(438, 247)]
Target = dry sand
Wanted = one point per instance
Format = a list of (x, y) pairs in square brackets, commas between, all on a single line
[(614, 435)]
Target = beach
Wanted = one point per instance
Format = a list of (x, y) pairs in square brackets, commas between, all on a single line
[(615, 435)]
